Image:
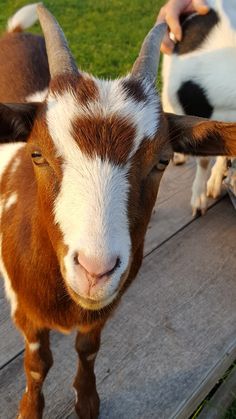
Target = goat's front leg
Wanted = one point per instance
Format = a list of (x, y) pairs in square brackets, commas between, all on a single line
[(199, 198), (38, 360), (218, 171), (87, 399)]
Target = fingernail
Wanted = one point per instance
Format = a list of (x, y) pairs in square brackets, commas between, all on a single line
[(203, 9)]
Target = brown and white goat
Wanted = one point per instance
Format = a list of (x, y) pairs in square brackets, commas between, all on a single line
[(76, 198)]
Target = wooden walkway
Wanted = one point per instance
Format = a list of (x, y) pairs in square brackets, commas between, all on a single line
[(174, 333)]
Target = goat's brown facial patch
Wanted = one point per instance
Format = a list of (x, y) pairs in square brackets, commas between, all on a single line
[(109, 138)]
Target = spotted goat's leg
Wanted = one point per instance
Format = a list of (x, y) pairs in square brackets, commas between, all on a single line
[(199, 187), (38, 360), (87, 399)]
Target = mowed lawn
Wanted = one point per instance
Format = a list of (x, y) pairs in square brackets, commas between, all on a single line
[(104, 35)]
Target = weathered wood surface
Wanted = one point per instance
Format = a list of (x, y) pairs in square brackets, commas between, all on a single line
[(172, 210), (11, 342), (170, 337), (222, 399)]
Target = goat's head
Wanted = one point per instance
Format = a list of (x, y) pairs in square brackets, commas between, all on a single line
[(98, 149)]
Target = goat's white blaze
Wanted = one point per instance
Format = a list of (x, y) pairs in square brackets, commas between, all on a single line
[(91, 207), (91, 210)]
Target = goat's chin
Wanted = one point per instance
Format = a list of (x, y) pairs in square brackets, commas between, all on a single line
[(90, 304)]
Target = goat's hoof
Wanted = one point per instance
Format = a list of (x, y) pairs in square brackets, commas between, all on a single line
[(199, 205), (179, 159), (87, 407), (214, 186)]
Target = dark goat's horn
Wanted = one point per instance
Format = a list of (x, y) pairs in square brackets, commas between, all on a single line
[(146, 65), (59, 56)]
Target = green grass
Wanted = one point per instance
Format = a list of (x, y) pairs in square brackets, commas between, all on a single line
[(231, 412), (104, 36)]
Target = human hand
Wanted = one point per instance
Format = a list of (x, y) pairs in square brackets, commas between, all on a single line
[(170, 14)]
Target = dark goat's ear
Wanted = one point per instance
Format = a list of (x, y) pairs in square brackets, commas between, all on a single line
[(16, 121), (201, 137)]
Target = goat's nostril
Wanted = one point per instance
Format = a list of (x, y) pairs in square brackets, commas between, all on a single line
[(117, 265), (96, 267), (76, 259)]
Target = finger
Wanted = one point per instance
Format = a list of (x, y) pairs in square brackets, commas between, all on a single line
[(167, 45), (172, 20), (161, 16), (200, 6)]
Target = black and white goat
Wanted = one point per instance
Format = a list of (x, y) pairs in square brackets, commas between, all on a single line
[(200, 79)]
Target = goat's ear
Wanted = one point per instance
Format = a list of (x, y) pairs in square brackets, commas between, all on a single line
[(201, 137), (16, 121)]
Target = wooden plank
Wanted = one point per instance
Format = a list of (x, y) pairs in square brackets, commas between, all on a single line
[(172, 199), (175, 179), (11, 342), (224, 396), (168, 337), (172, 210)]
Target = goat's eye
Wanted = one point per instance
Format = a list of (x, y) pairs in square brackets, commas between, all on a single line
[(160, 166), (38, 159)]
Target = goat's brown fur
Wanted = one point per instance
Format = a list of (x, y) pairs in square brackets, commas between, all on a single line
[(23, 66)]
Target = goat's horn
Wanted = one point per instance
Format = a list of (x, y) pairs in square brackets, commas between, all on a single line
[(146, 65), (60, 59)]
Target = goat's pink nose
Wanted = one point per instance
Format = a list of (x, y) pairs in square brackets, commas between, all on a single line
[(97, 268)]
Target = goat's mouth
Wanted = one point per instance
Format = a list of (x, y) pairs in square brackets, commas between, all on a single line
[(92, 304)]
